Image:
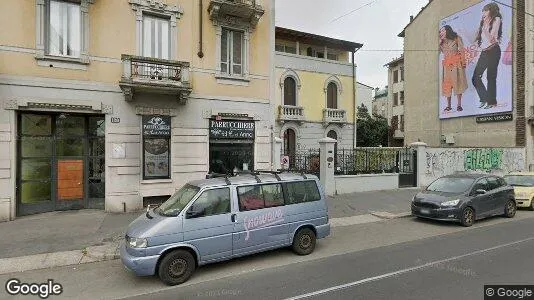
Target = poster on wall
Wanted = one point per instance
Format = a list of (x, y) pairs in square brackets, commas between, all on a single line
[(156, 158), (475, 60)]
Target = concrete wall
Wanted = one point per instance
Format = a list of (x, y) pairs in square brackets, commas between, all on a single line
[(366, 182), (445, 161), (422, 94)]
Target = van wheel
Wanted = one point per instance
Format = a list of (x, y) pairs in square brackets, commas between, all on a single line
[(304, 241), (176, 267), (468, 217), (510, 209)]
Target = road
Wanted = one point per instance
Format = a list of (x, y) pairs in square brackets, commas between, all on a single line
[(405, 258)]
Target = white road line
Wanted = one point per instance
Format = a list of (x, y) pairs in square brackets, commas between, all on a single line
[(399, 272)]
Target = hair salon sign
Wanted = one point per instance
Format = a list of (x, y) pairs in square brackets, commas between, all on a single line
[(156, 125)]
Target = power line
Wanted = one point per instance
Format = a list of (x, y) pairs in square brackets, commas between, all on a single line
[(353, 11)]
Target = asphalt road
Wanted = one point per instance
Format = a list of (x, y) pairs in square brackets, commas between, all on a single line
[(454, 266), (364, 256)]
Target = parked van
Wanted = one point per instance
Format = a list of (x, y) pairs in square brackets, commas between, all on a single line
[(217, 219)]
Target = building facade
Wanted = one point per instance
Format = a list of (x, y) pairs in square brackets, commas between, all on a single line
[(396, 99), (486, 108), (315, 90), (115, 104), (381, 103), (364, 97)]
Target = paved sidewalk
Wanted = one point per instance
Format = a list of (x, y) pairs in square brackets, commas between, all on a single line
[(74, 237)]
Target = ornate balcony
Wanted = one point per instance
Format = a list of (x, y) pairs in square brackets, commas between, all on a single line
[(154, 75), (331, 115), (398, 134), (290, 113), (245, 12)]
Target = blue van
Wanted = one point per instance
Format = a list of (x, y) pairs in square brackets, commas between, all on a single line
[(218, 219)]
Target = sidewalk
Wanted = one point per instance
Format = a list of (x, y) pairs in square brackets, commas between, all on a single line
[(74, 237)]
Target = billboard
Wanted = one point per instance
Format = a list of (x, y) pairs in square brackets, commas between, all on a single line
[(475, 60)]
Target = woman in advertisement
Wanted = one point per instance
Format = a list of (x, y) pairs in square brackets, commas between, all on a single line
[(453, 76), (488, 39)]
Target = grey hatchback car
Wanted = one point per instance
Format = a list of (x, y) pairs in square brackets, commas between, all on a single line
[(465, 198), (217, 219)]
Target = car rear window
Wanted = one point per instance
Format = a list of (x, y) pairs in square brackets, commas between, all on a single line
[(302, 191)]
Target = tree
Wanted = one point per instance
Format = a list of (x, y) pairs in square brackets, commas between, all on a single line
[(371, 132)]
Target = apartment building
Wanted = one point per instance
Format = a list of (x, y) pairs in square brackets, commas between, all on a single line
[(115, 104), (315, 90), (396, 99)]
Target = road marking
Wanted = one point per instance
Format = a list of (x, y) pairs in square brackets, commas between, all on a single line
[(399, 272)]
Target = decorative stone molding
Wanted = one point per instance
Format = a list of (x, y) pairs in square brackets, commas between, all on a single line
[(241, 13), (174, 12), (107, 109), (80, 106), (143, 110)]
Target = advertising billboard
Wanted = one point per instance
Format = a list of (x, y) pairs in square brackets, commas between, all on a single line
[(475, 60)]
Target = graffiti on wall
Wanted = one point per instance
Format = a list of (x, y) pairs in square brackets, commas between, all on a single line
[(445, 161)]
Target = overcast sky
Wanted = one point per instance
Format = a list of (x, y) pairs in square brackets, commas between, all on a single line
[(376, 25)]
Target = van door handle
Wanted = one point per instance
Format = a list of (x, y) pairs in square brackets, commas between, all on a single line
[(234, 218)]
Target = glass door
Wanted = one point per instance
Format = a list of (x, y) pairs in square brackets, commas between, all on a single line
[(35, 175)]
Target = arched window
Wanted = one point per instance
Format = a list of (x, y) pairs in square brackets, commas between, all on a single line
[(290, 91), (290, 146), (331, 95)]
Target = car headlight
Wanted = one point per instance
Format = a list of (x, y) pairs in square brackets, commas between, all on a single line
[(451, 203), (136, 242)]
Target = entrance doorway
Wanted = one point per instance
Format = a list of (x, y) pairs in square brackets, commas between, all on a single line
[(61, 162)]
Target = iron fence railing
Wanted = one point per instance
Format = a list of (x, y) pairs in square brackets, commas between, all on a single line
[(373, 160), (305, 161)]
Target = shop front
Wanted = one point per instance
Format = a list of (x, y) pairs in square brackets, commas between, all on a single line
[(231, 145), (60, 162)]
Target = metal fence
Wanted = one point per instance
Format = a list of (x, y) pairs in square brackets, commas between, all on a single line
[(368, 160), (306, 161)]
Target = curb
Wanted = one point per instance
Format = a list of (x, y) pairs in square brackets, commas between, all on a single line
[(110, 251)]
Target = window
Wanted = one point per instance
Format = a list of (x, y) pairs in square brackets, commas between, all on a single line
[(64, 29), (401, 127), (402, 73), (156, 147), (320, 54), (331, 96), (260, 196), (156, 37), (210, 203), (232, 52), (290, 91), (395, 76), (402, 98), (286, 49), (493, 183), (332, 56), (309, 51), (395, 99), (481, 184), (303, 191)]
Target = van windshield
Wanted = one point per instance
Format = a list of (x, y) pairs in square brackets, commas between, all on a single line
[(174, 205)]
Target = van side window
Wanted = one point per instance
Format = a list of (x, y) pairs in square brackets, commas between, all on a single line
[(303, 191), (260, 196), (210, 203)]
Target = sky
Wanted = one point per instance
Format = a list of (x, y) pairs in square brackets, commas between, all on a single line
[(375, 24)]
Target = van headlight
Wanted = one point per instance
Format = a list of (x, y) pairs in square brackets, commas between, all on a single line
[(450, 203), (136, 242)]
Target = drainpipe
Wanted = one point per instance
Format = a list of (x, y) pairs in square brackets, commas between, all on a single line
[(200, 8), (354, 130)]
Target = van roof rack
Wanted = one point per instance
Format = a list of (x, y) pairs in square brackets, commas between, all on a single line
[(275, 173)]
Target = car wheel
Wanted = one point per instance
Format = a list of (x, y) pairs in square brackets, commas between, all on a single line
[(176, 267), (468, 217), (304, 241), (510, 209)]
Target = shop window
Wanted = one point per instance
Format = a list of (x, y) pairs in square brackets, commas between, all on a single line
[(156, 147)]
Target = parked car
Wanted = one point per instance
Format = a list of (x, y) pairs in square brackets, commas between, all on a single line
[(465, 198), (523, 183), (217, 219)]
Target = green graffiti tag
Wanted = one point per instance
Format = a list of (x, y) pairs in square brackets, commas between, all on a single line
[(483, 159)]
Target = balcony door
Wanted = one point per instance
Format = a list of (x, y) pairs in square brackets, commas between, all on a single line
[(290, 91)]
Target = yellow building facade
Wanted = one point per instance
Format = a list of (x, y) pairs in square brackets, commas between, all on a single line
[(315, 91), (115, 104)]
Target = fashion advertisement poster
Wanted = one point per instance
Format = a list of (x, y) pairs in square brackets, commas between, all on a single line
[(157, 157), (475, 60)]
